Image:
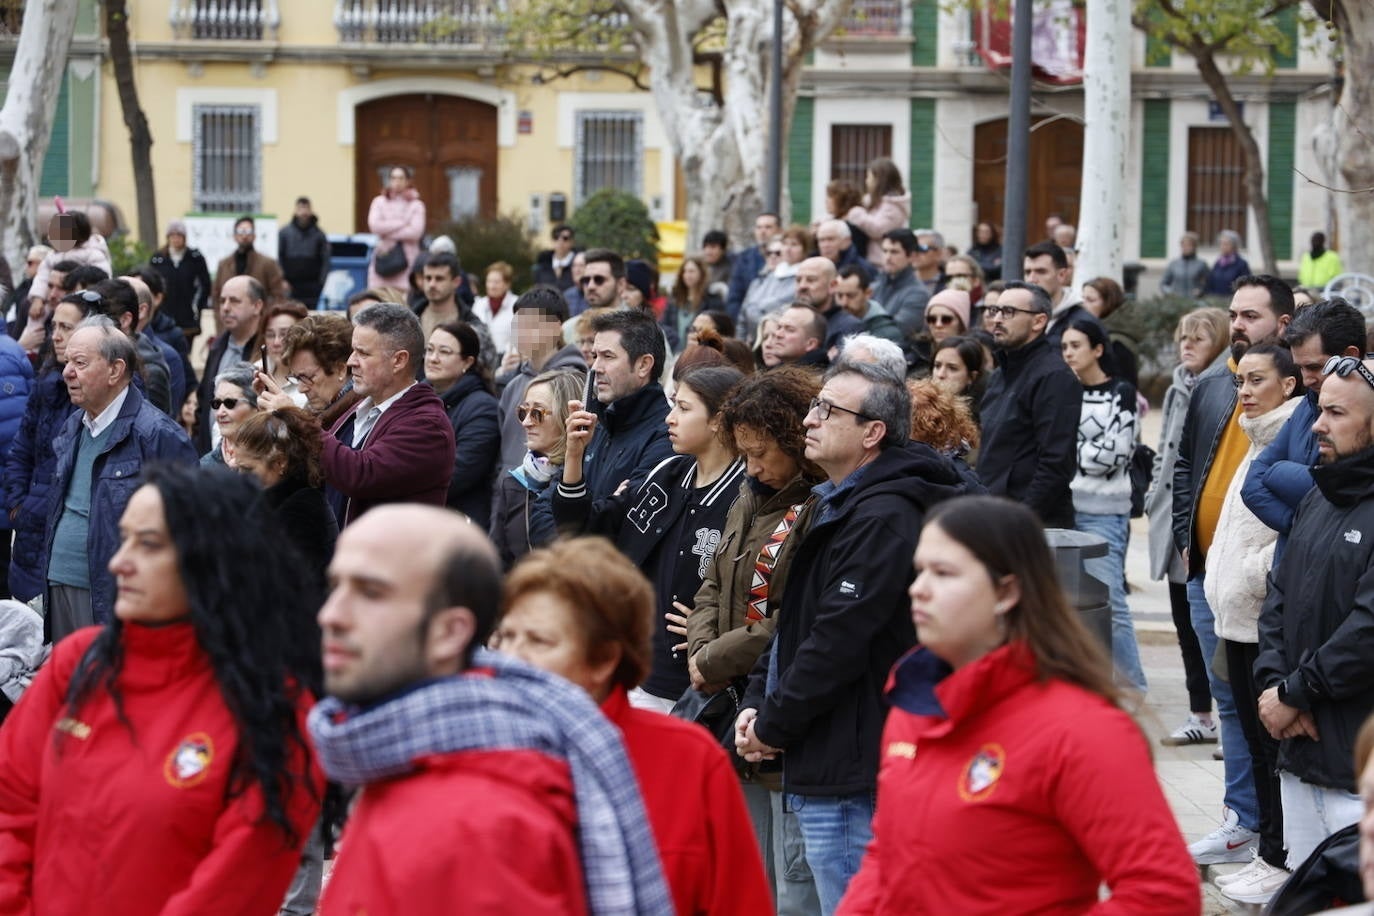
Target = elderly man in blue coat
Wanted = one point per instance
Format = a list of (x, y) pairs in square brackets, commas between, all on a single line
[(101, 453)]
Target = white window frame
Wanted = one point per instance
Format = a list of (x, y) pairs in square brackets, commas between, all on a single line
[(635, 160), (206, 200)]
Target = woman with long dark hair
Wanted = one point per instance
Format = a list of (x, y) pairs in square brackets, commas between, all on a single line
[(670, 523), (692, 293), (160, 761), (454, 367), (886, 206), (1107, 433), (1002, 723)]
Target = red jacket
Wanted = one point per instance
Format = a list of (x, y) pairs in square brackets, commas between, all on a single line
[(94, 819), (1001, 793), (407, 458), (474, 832), (705, 838)]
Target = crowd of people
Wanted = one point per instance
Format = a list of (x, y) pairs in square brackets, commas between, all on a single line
[(731, 599)]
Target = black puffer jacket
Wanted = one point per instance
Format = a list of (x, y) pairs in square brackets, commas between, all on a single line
[(1030, 431), (1316, 629), (1209, 410), (477, 431), (844, 621)]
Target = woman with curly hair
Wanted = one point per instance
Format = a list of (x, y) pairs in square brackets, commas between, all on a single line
[(735, 610), (281, 448), (160, 761), (316, 352), (943, 420)]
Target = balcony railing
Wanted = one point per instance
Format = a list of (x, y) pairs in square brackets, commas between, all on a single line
[(225, 20), (429, 22), (876, 19)]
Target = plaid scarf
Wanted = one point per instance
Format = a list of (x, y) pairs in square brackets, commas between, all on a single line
[(516, 708)]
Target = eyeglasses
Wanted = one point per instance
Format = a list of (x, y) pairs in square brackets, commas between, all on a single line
[(303, 378), (1344, 365), (1006, 311), (823, 408), (940, 319), (774, 252), (534, 414), (593, 280), (958, 276), (242, 233), (231, 403), (565, 237)]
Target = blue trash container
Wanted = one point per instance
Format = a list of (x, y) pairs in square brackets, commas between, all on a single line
[(349, 256)]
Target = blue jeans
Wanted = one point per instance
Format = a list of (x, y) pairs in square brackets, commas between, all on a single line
[(836, 830), (1111, 569), (1240, 778), (794, 887)]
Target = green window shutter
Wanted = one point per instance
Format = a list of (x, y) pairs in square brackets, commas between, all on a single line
[(1279, 175), (1154, 180), (799, 144), (54, 180), (1287, 21), (925, 27), (921, 171)]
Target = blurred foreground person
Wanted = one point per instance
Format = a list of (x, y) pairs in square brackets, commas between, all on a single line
[(582, 610), (490, 786), (159, 764), (1011, 704)]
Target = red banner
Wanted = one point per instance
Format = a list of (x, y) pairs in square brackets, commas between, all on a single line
[(1058, 33)]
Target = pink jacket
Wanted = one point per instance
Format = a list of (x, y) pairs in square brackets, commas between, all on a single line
[(892, 212), (93, 252), (396, 219)]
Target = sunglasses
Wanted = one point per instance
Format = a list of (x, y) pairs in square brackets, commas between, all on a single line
[(774, 254), (564, 238), (1344, 365), (594, 280), (536, 414), (940, 319), (231, 403)]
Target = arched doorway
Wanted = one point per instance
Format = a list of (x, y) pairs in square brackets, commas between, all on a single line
[(1056, 172), (449, 141)]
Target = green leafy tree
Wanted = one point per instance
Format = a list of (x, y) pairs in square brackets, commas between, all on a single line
[(618, 221), (1223, 38)]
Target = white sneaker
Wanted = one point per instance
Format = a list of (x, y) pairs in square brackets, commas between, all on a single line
[(1239, 875), (1192, 731), (1262, 883), (1228, 843)]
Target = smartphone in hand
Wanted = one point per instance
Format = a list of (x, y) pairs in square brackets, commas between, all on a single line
[(263, 353), (589, 392)]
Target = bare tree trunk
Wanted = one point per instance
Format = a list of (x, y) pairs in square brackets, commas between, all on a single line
[(723, 148), (40, 59), (1346, 143), (1254, 162), (140, 138), (1107, 100)]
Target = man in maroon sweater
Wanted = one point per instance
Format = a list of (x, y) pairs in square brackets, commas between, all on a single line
[(396, 445)]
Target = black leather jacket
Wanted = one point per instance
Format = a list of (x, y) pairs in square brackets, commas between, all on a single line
[(1211, 407)]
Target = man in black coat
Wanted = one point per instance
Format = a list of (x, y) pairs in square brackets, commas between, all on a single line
[(303, 252), (816, 694), (1316, 629), (185, 279), (1030, 411)]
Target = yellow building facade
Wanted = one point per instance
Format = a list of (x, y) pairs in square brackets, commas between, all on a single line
[(253, 103)]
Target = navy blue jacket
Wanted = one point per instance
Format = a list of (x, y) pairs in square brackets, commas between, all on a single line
[(165, 329), (28, 476), (141, 435), (1281, 475), (630, 440), (16, 381), (476, 420)]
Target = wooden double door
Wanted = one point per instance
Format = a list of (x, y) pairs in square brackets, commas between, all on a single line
[(1056, 173), (449, 142)]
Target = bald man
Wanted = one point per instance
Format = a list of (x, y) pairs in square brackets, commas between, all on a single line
[(816, 288), (475, 780), (1316, 629)]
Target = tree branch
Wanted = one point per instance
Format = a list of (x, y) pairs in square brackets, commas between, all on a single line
[(636, 77)]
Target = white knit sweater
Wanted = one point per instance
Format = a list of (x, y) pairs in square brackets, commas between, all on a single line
[(1106, 439), (1243, 547)]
